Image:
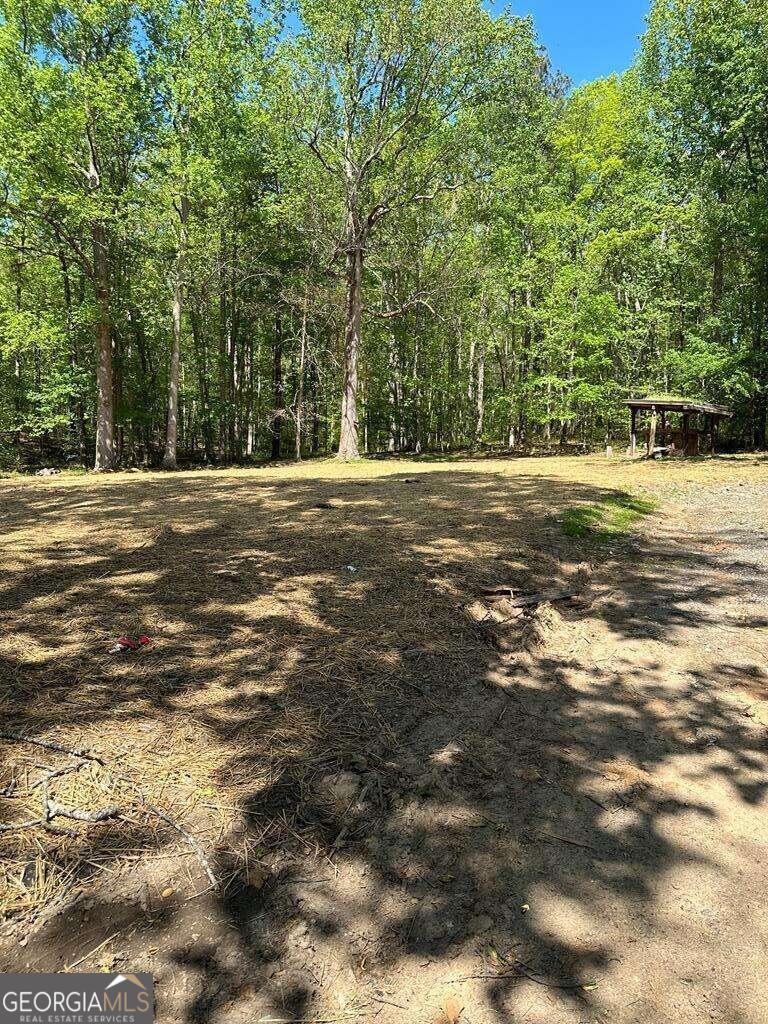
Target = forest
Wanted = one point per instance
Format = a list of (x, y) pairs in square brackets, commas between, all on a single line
[(231, 232)]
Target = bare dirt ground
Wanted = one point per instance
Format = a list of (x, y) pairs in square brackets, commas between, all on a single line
[(419, 804)]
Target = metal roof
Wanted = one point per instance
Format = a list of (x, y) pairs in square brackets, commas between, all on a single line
[(679, 405)]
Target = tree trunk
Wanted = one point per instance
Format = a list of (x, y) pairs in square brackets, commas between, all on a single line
[(416, 375), (105, 410), (652, 432), (761, 416), (201, 359), (348, 441), (224, 397), (279, 393), (393, 395), (480, 408), (393, 375), (250, 426), (300, 387), (179, 281), (315, 384), (77, 411)]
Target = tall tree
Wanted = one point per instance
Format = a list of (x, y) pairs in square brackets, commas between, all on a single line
[(388, 95), (70, 137), (201, 62)]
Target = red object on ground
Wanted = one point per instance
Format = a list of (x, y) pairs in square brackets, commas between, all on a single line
[(123, 644)]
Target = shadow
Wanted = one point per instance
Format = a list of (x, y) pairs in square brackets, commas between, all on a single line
[(440, 795)]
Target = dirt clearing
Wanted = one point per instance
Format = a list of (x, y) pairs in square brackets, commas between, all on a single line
[(476, 741)]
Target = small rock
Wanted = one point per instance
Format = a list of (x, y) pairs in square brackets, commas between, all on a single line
[(706, 737), (145, 901)]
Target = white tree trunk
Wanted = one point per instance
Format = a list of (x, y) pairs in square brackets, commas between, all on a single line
[(177, 309), (348, 441)]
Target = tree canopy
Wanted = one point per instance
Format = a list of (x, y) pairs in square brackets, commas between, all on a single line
[(231, 233)]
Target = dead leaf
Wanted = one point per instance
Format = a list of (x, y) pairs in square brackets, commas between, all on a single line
[(450, 1011)]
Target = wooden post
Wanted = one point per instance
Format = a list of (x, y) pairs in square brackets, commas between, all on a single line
[(713, 432), (663, 426), (652, 432), (633, 432), (685, 433)]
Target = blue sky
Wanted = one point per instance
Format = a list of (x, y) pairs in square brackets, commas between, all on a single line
[(585, 38)]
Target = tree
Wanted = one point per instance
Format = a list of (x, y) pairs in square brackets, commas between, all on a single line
[(202, 61), (215, 225), (70, 137), (706, 71), (389, 95)]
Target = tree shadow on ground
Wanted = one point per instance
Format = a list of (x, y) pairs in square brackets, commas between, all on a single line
[(511, 785)]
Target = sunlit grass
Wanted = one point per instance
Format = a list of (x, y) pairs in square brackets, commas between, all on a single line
[(608, 519)]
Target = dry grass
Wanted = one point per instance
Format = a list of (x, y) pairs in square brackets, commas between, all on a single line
[(185, 752), (126, 772)]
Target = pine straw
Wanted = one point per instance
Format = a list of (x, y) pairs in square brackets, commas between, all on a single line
[(205, 778), (271, 664), (44, 865)]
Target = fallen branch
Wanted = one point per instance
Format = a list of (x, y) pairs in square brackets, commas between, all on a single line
[(53, 810), (50, 745), (523, 970), (57, 773), (21, 825), (389, 1002), (527, 600), (562, 839), (188, 838), (87, 956)]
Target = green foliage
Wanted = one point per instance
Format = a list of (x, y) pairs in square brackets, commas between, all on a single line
[(533, 255), (608, 520)]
